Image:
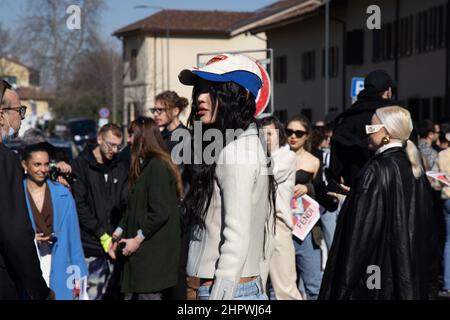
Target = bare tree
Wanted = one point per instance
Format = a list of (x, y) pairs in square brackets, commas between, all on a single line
[(52, 46), (90, 86)]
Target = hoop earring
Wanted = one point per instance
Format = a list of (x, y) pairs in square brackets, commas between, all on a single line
[(385, 140)]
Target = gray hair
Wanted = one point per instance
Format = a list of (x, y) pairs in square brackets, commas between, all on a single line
[(34, 136)]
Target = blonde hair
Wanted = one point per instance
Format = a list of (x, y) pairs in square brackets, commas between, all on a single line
[(398, 124)]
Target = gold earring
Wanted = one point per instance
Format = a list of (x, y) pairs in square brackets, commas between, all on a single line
[(385, 140)]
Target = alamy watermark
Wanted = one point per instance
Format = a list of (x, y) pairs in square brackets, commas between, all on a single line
[(374, 20), (73, 21), (207, 147), (374, 280)]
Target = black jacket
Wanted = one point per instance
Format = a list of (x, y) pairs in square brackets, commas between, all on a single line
[(387, 221), (349, 152), (19, 264), (100, 192)]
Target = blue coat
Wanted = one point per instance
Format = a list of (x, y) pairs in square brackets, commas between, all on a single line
[(67, 254)]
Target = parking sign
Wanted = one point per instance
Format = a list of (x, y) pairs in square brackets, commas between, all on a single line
[(357, 87)]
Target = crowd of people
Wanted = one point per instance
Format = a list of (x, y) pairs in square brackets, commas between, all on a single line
[(136, 223)]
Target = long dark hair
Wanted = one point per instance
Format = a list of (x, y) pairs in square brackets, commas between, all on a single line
[(148, 142), (236, 110)]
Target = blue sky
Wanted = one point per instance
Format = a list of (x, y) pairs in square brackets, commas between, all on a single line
[(122, 12)]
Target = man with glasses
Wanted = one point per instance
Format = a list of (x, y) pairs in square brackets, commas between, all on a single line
[(20, 272), (100, 191)]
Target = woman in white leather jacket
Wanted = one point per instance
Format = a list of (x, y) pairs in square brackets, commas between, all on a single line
[(229, 199)]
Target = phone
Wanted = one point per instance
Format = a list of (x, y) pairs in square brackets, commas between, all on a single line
[(120, 247), (335, 187)]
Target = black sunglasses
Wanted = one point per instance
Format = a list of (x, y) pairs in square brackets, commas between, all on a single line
[(298, 133)]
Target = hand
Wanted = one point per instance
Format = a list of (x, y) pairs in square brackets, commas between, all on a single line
[(300, 190), (131, 245), (63, 182), (116, 237), (64, 167), (339, 196), (40, 238), (112, 249)]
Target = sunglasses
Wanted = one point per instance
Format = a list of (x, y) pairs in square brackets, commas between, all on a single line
[(298, 133), (373, 128)]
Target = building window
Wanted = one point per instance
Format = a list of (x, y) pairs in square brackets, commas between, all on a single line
[(431, 29), (309, 65), (405, 41), (282, 115), (133, 64), (10, 79), (307, 112), (35, 78), (333, 68), (281, 69), (383, 42), (355, 47)]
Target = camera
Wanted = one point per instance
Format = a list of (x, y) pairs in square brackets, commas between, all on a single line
[(55, 172)]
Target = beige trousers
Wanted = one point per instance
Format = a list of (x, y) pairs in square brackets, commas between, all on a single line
[(280, 264)]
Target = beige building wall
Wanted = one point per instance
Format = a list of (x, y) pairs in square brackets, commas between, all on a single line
[(152, 63), (9, 68)]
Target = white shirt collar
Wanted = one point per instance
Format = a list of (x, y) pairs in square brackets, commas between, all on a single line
[(389, 146)]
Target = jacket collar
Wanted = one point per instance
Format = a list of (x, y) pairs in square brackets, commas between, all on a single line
[(58, 195), (251, 130), (389, 146)]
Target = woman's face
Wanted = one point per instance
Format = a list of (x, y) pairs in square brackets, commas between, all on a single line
[(205, 112), (375, 139), (272, 137), (37, 166), (297, 135)]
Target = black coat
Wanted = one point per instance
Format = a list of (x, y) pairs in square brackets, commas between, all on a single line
[(19, 263), (349, 152), (387, 221), (100, 201)]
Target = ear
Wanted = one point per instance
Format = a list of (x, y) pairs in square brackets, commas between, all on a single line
[(24, 164), (2, 117), (99, 139), (176, 111)]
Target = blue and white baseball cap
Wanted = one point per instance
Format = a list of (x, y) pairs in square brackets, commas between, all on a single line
[(227, 67)]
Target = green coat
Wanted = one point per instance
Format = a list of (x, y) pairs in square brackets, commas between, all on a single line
[(153, 208)]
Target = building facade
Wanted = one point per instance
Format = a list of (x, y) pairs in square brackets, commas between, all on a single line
[(25, 81), (411, 46)]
